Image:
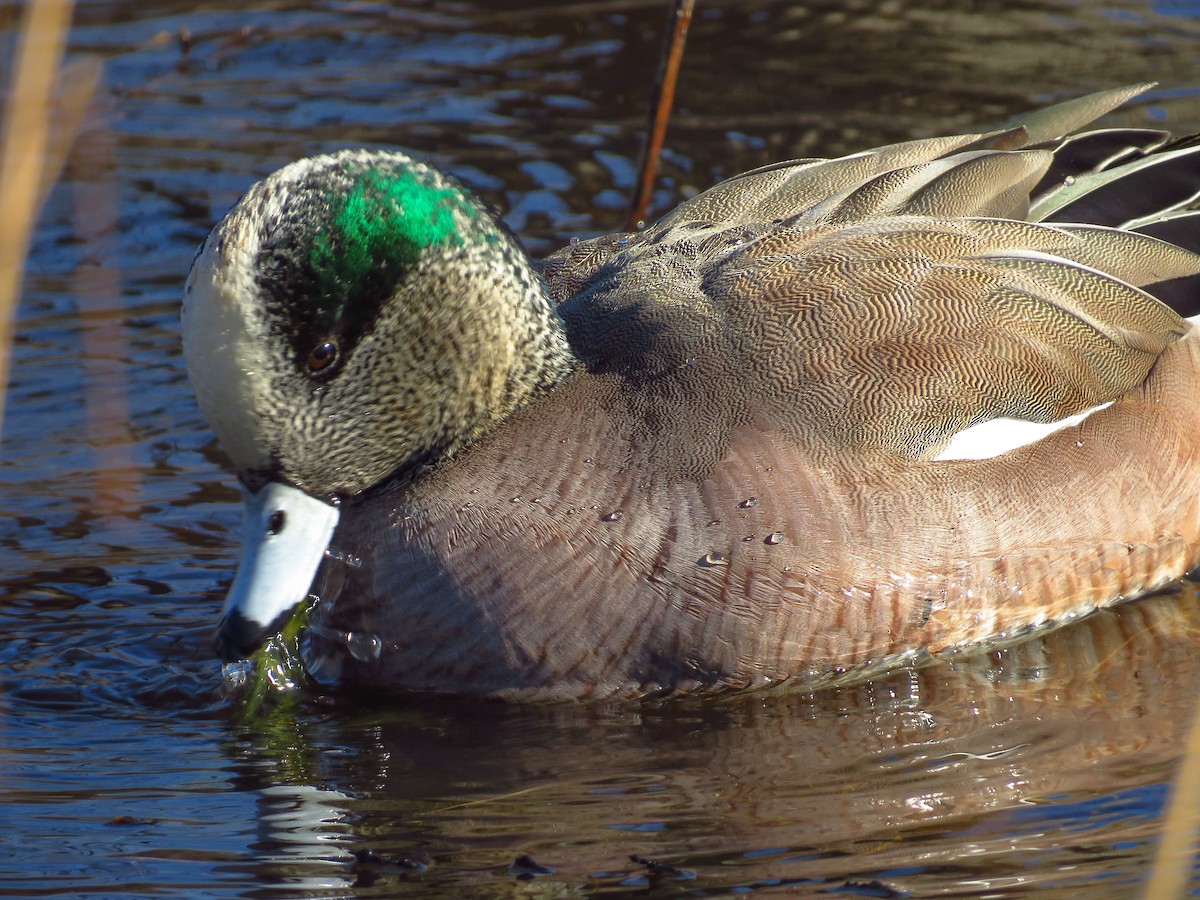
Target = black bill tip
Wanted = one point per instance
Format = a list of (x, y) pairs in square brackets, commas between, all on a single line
[(238, 637)]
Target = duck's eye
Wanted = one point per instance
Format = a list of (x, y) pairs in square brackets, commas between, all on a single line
[(321, 356)]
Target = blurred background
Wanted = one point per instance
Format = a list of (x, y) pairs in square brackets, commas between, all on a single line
[(123, 771)]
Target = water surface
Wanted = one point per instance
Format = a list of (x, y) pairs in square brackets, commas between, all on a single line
[(123, 772)]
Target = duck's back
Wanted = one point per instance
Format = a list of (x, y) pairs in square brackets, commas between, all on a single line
[(758, 472)]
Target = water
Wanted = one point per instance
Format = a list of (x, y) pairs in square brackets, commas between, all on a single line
[(124, 773)]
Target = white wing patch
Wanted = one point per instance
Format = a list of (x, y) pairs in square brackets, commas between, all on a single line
[(996, 436)]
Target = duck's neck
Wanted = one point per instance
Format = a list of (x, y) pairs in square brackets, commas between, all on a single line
[(549, 359), (525, 352)]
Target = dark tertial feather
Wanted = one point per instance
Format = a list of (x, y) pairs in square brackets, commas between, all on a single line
[(1128, 194), (1094, 151)]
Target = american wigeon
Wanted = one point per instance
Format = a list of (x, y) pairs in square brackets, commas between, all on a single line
[(826, 418)]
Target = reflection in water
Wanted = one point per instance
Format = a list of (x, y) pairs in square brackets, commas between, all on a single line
[(1041, 765), (120, 768), (97, 291), (301, 838)]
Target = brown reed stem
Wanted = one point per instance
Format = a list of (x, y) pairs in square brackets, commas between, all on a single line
[(22, 157), (660, 111)]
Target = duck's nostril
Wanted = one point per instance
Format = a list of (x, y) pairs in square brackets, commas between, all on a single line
[(276, 523)]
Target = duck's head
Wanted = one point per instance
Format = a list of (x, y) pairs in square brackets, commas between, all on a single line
[(354, 318)]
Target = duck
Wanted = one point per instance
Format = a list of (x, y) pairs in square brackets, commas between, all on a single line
[(824, 420)]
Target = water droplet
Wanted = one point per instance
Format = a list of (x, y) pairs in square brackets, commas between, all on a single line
[(748, 502), (775, 537), (515, 500), (690, 362), (474, 490), (235, 676), (615, 516), (748, 537), (278, 676), (342, 556), (574, 240), (587, 459), (1070, 179), (714, 522), (363, 646), (712, 558), (1079, 443)]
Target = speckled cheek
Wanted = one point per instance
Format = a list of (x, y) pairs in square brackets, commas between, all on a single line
[(225, 347)]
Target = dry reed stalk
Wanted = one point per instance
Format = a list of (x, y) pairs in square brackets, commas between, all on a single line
[(1172, 868), (24, 156), (660, 110)]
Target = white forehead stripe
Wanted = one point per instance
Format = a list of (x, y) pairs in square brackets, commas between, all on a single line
[(224, 344)]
